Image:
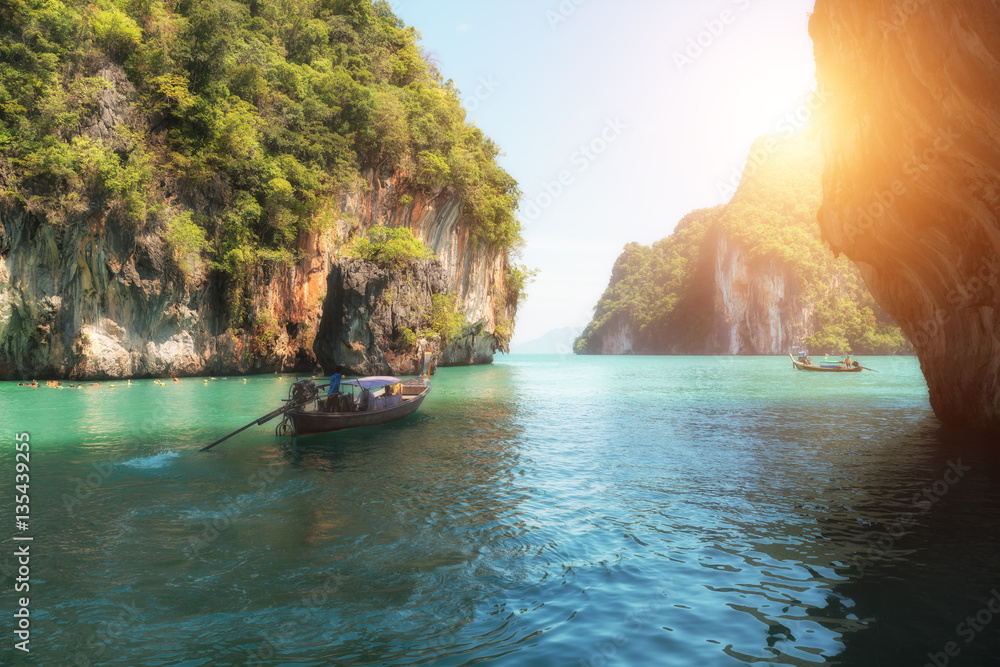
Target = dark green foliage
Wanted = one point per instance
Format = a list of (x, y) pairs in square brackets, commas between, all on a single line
[(261, 113), (848, 321), (664, 293)]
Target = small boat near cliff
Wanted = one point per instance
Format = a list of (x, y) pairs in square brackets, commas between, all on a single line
[(804, 363), (368, 401)]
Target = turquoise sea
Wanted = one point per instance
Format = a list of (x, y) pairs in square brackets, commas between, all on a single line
[(543, 510)]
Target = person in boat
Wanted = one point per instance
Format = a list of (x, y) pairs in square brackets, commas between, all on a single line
[(333, 392)]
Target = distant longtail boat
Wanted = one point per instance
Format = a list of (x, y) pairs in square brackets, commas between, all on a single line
[(804, 364)]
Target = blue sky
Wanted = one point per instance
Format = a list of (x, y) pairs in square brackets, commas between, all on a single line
[(616, 117)]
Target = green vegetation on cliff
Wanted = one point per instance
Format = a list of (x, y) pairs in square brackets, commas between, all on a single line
[(389, 246), (663, 292), (254, 115), (663, 295)]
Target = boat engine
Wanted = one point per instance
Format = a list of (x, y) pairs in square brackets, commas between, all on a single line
[(300, 394), (303, 392)]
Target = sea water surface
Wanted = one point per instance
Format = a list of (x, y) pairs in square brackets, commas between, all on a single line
[(543, 510)]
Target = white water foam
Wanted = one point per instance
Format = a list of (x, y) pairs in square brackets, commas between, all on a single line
[(151, 462)]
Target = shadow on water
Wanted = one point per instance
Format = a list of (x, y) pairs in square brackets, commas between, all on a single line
[(924, 553)]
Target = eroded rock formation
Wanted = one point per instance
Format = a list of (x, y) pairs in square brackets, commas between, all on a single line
[(912, 182), (758, 305), (92, 298)]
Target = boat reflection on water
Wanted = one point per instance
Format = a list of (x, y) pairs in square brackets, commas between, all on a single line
[(411, 530)]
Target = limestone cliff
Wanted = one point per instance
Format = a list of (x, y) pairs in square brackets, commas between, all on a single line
[(94, 297), (750, 277), (912, 180), (182, 186), (758, 305), (473, 271)]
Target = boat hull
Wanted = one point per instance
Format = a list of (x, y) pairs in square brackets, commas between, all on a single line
[(308, 422)]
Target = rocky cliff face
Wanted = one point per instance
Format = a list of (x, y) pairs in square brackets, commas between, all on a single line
[(367, 307), (758, 309), (94, 298), (750, 277), (912, 180), (472, 271), (619, 338)]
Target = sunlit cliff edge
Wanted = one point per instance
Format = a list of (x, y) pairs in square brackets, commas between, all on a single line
[(911, 188), (748, 277)]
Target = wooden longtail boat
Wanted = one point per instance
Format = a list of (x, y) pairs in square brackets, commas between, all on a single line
[(829, 368), (370, 401), (378, 400), (381, 399)]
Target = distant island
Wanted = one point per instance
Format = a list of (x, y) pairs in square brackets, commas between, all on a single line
[(556, 341), (749, 277)]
